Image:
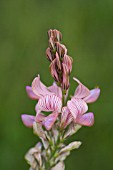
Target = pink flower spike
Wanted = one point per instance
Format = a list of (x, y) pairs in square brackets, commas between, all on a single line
[(81, 91), (28, 120), (50, 120), (56, 90), (39, 88), (30, 93), (49, 103), (86, 119), (93, 96)]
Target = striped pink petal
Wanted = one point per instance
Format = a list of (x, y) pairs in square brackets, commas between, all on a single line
[(56, 90), (28, 120), (30, 93), (86, 119), (49, 103), (81, 91), (66, 117), (39, 88), (77, 107), (50, 120), (93, 96)]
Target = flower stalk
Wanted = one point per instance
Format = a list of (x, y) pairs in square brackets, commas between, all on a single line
[(66, 117)]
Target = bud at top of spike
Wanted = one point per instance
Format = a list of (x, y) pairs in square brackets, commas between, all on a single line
[(55, 34)]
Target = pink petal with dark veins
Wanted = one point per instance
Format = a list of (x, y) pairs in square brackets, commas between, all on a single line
[(66, 117), (77, 107), (49, 103)]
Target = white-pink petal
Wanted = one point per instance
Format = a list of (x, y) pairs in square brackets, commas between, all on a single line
[(30, 93), (50, 120), (81, 91), (86, 119), (39, 88), (56, 90), (93, 96), (28, 120), (77, 107), (49, 103)]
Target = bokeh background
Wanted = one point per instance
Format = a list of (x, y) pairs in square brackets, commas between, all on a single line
[(87, 28)]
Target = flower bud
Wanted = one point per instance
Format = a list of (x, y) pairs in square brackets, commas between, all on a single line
[(53, 70), (61, 49), (55, 34), (34, 154), (38, 130), (67, 60), (65, 78), (48, 54), (71, 146)]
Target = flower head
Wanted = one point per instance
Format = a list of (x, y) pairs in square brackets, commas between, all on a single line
[(78, 104), (49, 100)]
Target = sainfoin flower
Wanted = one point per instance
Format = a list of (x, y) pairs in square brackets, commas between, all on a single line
[(62, 118), (78, 107), (49, 100)]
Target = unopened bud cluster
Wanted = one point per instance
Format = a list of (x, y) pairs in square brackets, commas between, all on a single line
[(60, 61)]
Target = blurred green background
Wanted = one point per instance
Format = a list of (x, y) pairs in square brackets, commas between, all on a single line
[(87, 28)]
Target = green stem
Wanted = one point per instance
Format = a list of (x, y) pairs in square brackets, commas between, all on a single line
[(48, 164), (63, 97)]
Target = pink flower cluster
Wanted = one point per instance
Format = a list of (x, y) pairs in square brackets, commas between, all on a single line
[(50, 98)]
